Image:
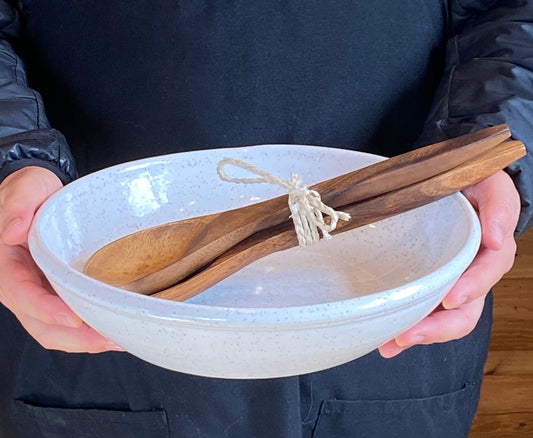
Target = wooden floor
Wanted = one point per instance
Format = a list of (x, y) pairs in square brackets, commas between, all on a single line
[(506, 406)]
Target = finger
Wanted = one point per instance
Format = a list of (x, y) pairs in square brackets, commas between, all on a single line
[(26, 292), (390, 349), (83, 339), (21, 194), (498, 204), (38, 303), (443, 325), (484, 272)]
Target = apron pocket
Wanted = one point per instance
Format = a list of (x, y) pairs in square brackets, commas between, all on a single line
[(444, 416), (47, 422)]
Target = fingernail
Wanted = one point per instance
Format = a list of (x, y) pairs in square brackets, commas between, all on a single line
[(412, 340), (12, 223), (113, 347), (67, 320), (449, 303), (390, 350)]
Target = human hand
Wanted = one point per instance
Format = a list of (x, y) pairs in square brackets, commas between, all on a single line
[(498, 205), (23, 288)]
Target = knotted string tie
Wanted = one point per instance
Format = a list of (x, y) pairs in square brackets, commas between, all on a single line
[(307, 209)]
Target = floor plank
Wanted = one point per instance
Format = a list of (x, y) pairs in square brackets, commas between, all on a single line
[(506, 394), (506, 405), (523, 267), (519, 425), (509, 363), (513, 315)]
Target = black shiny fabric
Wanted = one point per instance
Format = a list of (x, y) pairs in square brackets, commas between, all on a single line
[(26, 137), (41, 147), (488, 78)]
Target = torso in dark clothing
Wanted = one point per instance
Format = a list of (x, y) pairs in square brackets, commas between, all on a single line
[(127, 79)]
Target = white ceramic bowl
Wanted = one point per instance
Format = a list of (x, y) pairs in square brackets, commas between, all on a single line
[(294, 312)]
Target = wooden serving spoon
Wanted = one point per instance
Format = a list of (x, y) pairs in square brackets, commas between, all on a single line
[(156, 258), (363, 212)]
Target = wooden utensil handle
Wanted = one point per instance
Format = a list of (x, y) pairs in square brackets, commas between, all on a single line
[(165, 254), (368, 211), (224, 230), (409, 168), (384, 176)]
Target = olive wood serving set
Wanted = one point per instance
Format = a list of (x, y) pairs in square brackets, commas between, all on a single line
[(179, 260)]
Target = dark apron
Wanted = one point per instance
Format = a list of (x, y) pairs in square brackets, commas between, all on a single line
[(425, 392), (126, 79)]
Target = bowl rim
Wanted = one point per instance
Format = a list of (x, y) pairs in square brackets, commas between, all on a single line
[(170, 312)]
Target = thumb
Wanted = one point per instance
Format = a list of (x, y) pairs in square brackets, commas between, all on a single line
[(21, 194), (498, 206)]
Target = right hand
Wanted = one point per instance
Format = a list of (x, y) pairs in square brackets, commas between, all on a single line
[(23, 288)]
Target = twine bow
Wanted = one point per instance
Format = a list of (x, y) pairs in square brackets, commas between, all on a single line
[(307, 209)]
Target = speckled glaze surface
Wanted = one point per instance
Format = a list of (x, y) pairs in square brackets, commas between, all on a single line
[(293, 312)]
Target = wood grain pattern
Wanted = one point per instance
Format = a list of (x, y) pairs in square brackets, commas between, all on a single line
[(503, 425), (513, 392), (505, 362), (506, 405), (364, 212), (157, 258)]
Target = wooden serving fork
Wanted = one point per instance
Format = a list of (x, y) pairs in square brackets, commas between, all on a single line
[(154, 259), (363, 212)]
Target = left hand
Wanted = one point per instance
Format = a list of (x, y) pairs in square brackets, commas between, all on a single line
[(498, 205)]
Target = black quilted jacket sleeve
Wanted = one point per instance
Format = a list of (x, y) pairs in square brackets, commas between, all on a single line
[(26, 137), (489, 80)]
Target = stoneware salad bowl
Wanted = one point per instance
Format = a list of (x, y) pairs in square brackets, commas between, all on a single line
[(293, 312)]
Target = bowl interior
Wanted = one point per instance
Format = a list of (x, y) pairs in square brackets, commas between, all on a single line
[(393, 253)]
